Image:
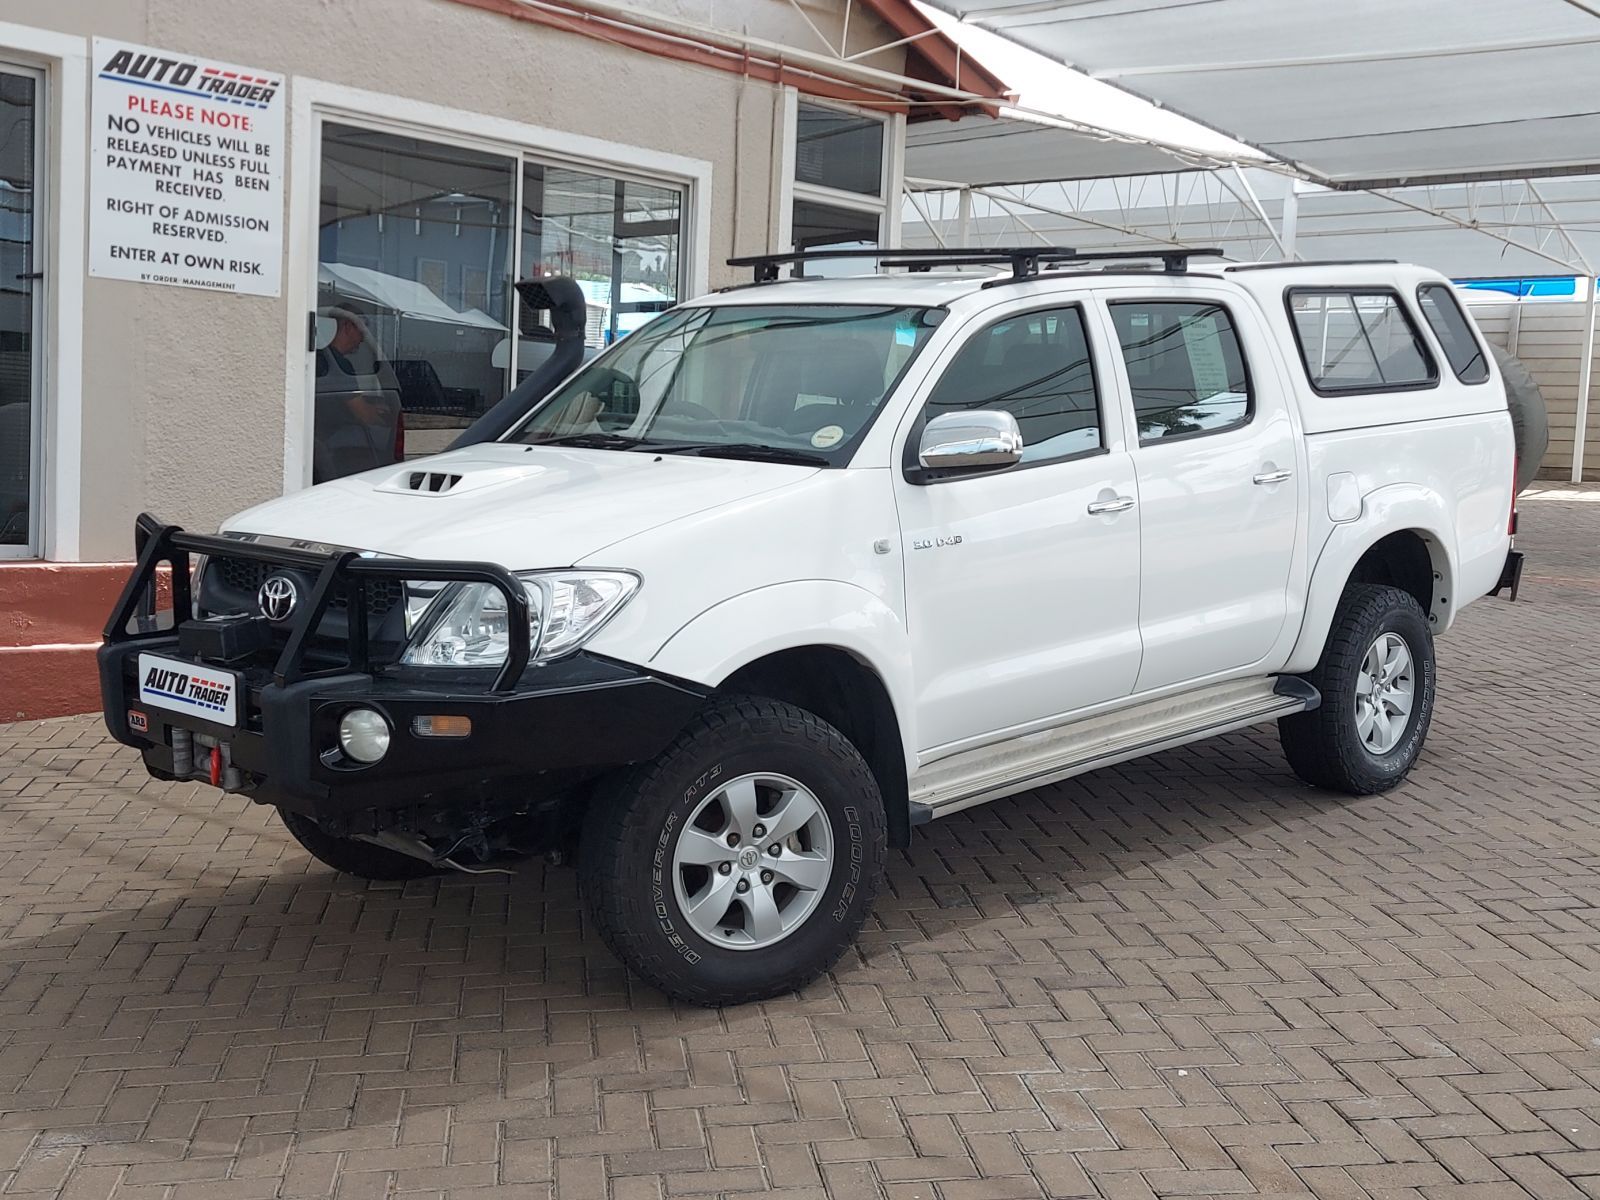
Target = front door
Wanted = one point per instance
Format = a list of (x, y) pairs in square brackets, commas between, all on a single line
[(1218, 493), (1022, 584), (20, 311)]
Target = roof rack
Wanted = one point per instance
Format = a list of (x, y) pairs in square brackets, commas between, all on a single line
[(1025, 261)]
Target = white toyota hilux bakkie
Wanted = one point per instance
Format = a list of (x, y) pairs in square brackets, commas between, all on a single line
[(804, 564)]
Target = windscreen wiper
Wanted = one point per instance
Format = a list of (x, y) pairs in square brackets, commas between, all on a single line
[(755, 451), (592, 441)]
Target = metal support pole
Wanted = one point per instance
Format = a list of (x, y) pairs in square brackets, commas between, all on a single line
[(1585, 374), (964, 218), (1290, 219)]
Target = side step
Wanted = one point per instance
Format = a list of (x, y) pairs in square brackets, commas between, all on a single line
[(1048, 756)]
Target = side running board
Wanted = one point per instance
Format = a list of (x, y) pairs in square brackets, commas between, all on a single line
[(1032, 760)]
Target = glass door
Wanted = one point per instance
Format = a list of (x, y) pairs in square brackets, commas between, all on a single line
[(20, 415)]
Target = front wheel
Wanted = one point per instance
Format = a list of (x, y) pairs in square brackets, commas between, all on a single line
[(1376, 677), (741, 863)]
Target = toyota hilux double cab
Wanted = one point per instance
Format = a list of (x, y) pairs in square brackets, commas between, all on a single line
[(798, 566)]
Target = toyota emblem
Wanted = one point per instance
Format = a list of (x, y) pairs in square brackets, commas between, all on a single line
[(277, 598)]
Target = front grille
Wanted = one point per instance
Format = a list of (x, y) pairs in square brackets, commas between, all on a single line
[(244, 577)]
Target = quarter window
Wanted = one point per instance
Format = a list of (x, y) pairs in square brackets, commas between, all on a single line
[(1185, 367), (1454, 330), (1359, 341), (1037, 367)]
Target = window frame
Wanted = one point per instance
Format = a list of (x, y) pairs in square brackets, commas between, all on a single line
[(1354, 290), (315, 102), (1244, 361), (36, 310), (791, 188), (1472, 332), (919, 476)]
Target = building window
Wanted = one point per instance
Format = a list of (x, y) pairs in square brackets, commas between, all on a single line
[(838, 150), (19, 313), (419, 243), (620, 239), (839, 185)]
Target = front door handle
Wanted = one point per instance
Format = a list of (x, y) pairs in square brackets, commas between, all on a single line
[(1273, 476), (1101, 507)]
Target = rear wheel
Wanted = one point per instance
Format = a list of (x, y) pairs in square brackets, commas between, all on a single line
[(741, 863), (1376, 677), (353, 857)]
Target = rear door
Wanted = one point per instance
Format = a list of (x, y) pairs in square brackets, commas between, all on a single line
[(1022, 584), (1215, 453)]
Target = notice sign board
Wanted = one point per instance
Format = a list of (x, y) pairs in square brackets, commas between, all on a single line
[(186, 181)]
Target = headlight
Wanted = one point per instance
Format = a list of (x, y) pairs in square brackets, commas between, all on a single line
[(467, 626)]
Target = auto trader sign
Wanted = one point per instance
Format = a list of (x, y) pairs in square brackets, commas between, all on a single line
[(186, 183)]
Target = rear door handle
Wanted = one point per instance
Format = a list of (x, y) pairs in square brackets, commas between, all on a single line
[(1101, 507), (1273, 476)]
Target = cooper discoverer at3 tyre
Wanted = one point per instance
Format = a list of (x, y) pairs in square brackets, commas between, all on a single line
[(741, 863)]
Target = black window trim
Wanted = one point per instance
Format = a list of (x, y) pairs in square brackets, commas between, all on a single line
[(1354, 290), (1244, 360), (1472, 332), (918, 475)]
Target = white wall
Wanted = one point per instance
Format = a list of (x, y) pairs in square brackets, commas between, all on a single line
[(184, 392), (1549, 339)]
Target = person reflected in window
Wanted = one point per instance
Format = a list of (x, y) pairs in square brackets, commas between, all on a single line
[(358, 402)]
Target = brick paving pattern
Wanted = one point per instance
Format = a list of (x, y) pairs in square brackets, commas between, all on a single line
[(1186, 976)]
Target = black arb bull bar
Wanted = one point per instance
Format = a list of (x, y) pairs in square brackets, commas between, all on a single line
[(157, 544), (534, 729)]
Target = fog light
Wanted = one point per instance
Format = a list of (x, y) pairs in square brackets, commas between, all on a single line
[(364, 735), (442, 725)]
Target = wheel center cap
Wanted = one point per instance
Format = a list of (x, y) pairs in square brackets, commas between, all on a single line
[(748, 858)]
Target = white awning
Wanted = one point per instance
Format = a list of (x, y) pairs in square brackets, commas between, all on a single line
[(1010, 149), (1355, 93)]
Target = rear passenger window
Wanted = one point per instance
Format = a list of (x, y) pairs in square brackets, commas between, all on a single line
[(1185, 367), (1453, 328), (1359, 340), (1035, 366)]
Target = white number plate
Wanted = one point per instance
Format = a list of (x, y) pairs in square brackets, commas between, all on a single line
[(189, 688)]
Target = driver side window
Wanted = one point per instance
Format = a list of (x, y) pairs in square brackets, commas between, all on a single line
[(1036, 366)]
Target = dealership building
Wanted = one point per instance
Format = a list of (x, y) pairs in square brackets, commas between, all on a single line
[(245, 246)]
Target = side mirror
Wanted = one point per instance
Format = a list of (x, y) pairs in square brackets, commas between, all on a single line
[(326, 328), (959, 441)]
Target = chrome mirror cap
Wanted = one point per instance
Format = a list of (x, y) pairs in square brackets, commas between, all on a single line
[(957, 441)]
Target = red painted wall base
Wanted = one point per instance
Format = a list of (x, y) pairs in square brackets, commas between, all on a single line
[(51, 615)]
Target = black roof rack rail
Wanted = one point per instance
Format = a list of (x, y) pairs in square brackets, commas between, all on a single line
[(1025, 261), (1311, 262)]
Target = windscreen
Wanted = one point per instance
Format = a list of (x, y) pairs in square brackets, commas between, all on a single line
[(801, 382)]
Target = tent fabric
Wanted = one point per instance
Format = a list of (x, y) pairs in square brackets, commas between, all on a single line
[(976, 151), (1355, 93)]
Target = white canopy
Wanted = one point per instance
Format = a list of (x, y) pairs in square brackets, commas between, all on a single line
[(1012, 149), (1355, 93)]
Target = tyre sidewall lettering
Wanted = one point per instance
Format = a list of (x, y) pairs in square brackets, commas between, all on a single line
[(850, 858)]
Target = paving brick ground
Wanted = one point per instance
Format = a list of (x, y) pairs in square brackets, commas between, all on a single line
[(1188, 976)]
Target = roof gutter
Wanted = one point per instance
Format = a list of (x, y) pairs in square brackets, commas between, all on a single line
[(689, 41)]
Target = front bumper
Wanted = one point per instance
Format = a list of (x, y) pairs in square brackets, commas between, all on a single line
[(567, 721), (535, 731)]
